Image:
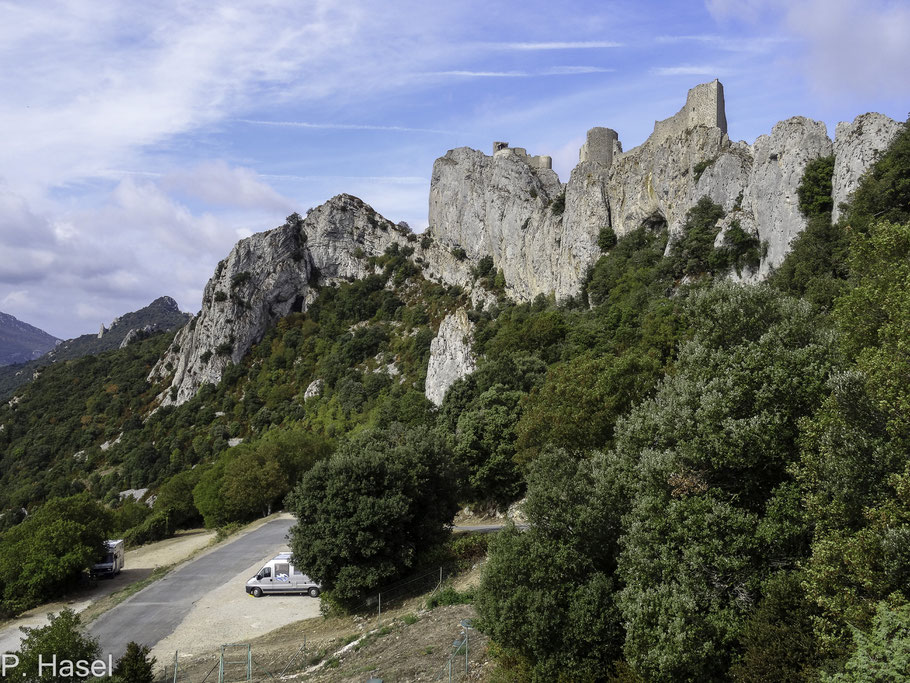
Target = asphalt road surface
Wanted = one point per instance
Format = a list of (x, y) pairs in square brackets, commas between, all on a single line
[(154, 612)]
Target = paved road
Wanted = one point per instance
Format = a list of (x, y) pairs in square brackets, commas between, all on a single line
[(154, 612)]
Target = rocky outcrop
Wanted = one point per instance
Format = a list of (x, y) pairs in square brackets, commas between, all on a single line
[(856, 147), (138, 334), (450, 355), (770, 200), (274, 273), (540, 233), (264, 278), (313, 389)]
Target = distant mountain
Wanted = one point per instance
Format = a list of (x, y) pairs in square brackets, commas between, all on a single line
[(21, 342), (162, 315)]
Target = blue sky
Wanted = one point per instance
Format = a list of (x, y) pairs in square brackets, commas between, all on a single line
[(141, 140)]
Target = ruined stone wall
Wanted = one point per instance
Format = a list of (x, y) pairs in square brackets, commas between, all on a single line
[(704, 107)]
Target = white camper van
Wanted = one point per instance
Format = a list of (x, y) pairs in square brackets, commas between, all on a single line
[(279, 575), (112, 562)]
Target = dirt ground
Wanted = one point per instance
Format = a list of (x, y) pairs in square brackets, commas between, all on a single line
[(139, 564), (228, 615), (409, 643)]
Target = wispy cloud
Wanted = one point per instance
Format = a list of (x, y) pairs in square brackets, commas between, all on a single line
[(342, 126), (556, 45), (481, 74), (726, 43), (852, 46), (688, 70), (395, 180), (549, 71), (572, 70)]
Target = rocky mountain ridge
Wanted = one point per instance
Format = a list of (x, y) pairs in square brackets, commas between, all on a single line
[(162, 314), (21, 342), (541, 234)]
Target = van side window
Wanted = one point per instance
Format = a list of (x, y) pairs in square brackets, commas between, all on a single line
[(297, 571), (266, 571), (281, 569)]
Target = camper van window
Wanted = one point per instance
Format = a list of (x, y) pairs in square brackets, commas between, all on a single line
[(265, 571), (297, 571)]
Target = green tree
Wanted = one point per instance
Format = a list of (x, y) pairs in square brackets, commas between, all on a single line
[(364, 515), (713, 507), (884, 193), (46, 555), (692, 252), (883, 653), (63, 638), (135, 666), (253, 482), (548, 593), (578, 403), (485, 447)]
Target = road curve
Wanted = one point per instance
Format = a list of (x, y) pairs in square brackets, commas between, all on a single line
[(154, 612)]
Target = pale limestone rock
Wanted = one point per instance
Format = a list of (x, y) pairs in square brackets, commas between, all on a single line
[(450, 355), (779, 161), (857, 145), (264, 278), (314, 389), (107, 445), (502, 206), (235, 441)]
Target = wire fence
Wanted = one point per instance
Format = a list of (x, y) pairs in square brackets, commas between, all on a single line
[(236, 662)]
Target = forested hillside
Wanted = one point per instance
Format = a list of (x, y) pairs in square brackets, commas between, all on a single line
[(716, 474)]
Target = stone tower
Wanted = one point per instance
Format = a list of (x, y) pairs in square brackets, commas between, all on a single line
[(599, 146)]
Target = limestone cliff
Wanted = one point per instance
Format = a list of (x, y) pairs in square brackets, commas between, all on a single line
[(271, 274), (450, 355), (856, 147), (542, 234)]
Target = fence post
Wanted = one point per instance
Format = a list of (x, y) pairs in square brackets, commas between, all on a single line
[(379, 621), (175, 666)]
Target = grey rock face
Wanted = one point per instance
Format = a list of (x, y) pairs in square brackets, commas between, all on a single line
[(504, 207), (541, 233), (856, 147), (264, 278), (779, 161), (314, 389), (450, 355), (269, 275)]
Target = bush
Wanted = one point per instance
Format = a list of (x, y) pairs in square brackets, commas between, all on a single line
[(135, 666), (606, 238), (558, 205), (364, 515), (449, 596), (63, 638)]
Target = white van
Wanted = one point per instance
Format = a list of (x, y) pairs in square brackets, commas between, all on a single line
[(279, 575), (112, 562)]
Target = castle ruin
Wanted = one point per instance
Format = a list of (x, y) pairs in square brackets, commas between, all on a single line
[(501, 149), (704, 107)]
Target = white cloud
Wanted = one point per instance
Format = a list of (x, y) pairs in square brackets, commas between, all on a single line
[(851, 46), (342, 126), (217, 183), (688, 70), (556, 45), (481, 74), (572, 70)]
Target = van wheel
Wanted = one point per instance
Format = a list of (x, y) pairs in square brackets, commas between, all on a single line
[(257, 592), (314, 592)]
